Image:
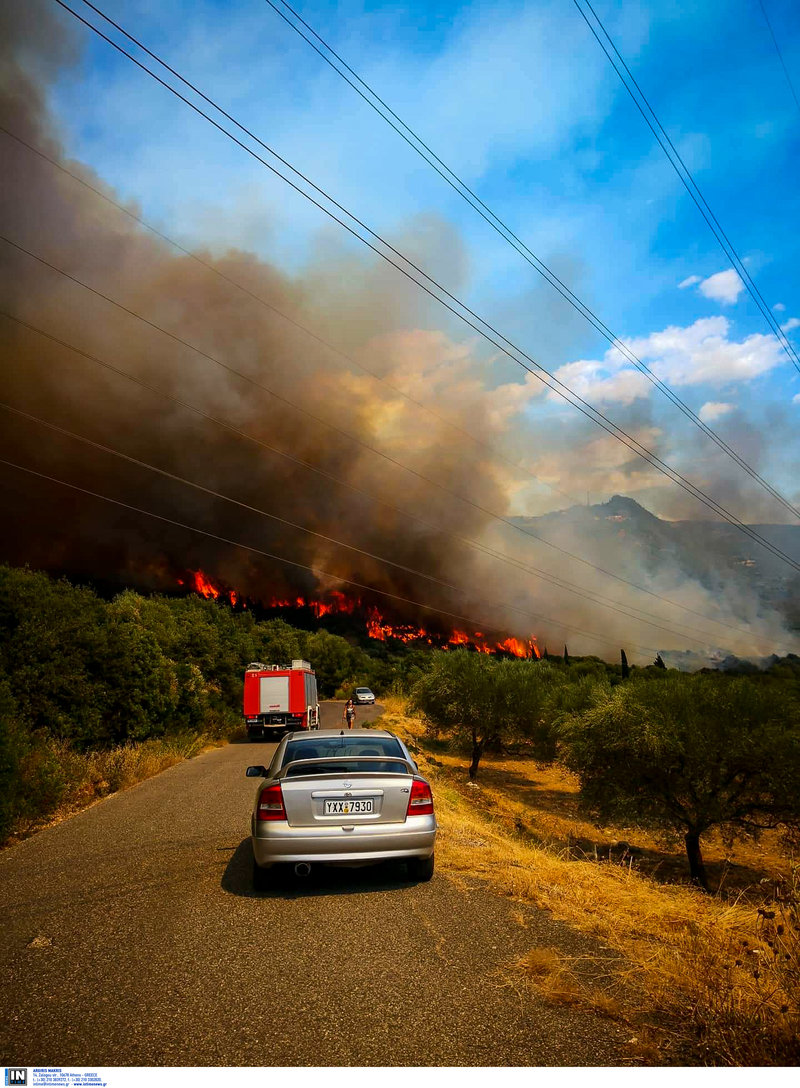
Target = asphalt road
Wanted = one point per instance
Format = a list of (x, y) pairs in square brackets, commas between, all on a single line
[(332, 712), (132, 937)]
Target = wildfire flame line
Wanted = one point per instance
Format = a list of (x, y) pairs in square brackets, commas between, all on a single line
[(377, 626)]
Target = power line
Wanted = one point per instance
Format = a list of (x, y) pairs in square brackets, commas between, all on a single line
[(536, 616), (685, 175), (535, 369), (501, 556), (559, 388), (780, 55), (316, 571), (259, 385), (285, 317), (373, 99), (630, 611), (265, 388)]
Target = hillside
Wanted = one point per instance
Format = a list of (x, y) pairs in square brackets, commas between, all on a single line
[(716, 555)]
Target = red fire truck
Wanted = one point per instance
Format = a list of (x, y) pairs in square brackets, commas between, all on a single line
[(280, 698)]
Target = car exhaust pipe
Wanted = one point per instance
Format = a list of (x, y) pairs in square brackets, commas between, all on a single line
[(302, 868)]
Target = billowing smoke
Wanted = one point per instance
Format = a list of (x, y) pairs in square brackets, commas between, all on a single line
[(303, 431)]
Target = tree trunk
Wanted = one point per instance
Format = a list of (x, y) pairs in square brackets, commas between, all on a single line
[(477, 752), (697, 869)]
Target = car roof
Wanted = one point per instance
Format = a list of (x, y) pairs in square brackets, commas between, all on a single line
[(317, 734)]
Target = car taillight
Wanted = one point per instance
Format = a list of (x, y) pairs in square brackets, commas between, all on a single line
[(420, 803), (270, 804)]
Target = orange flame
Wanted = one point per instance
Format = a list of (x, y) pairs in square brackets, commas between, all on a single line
[(516, 647), (204, 585), (377, 627), (337, 602)]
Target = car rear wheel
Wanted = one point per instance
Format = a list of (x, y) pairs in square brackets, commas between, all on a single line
[(420, 869), (263, 879)]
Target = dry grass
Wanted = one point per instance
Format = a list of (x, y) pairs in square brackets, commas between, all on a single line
[(88, 777), (119, 768), (559, 978), (719, 975)]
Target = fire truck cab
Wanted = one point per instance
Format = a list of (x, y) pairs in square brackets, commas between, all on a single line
[(279, 699)]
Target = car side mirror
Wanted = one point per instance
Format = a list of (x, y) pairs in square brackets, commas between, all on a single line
[(256, 772)]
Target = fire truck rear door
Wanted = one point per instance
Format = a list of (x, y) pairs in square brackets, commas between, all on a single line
[(274, 695)]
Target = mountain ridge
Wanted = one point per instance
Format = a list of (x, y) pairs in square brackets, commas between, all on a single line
[(715, 554)]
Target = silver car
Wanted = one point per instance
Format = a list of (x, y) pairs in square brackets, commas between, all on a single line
[(348, 798)]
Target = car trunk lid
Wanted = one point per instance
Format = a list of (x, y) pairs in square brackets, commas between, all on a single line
[(346, 792)]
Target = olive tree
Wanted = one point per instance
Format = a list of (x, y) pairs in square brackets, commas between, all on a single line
[(689, 753), (484, 700)]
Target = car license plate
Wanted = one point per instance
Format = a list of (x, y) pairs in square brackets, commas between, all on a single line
[(348, 807)]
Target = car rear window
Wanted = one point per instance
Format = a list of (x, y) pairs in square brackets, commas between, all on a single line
[(323, 747)]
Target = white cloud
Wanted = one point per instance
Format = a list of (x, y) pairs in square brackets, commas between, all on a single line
[(713, 409), (792, 323), (701, 354), (722, 287), (704, 353), (796, 398), (779, 307), (598, 382)]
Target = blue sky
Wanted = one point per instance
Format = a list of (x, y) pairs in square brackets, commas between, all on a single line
[(521, 102)]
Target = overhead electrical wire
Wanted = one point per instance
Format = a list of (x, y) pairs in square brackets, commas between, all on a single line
[(289, 320), (503, 605), (471, 543), (265, 388), (282, 559), (685, 175), (576, 400), (512, 351), (372, 449), (630, 611), (379, 558), (780, 55), (381, 107), (559, 387), (623, 608)]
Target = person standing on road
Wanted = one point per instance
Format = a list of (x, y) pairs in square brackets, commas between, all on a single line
[(349, 713)]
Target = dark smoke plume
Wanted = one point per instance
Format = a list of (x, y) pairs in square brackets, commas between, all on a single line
[(356, 304), (50, 214)]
